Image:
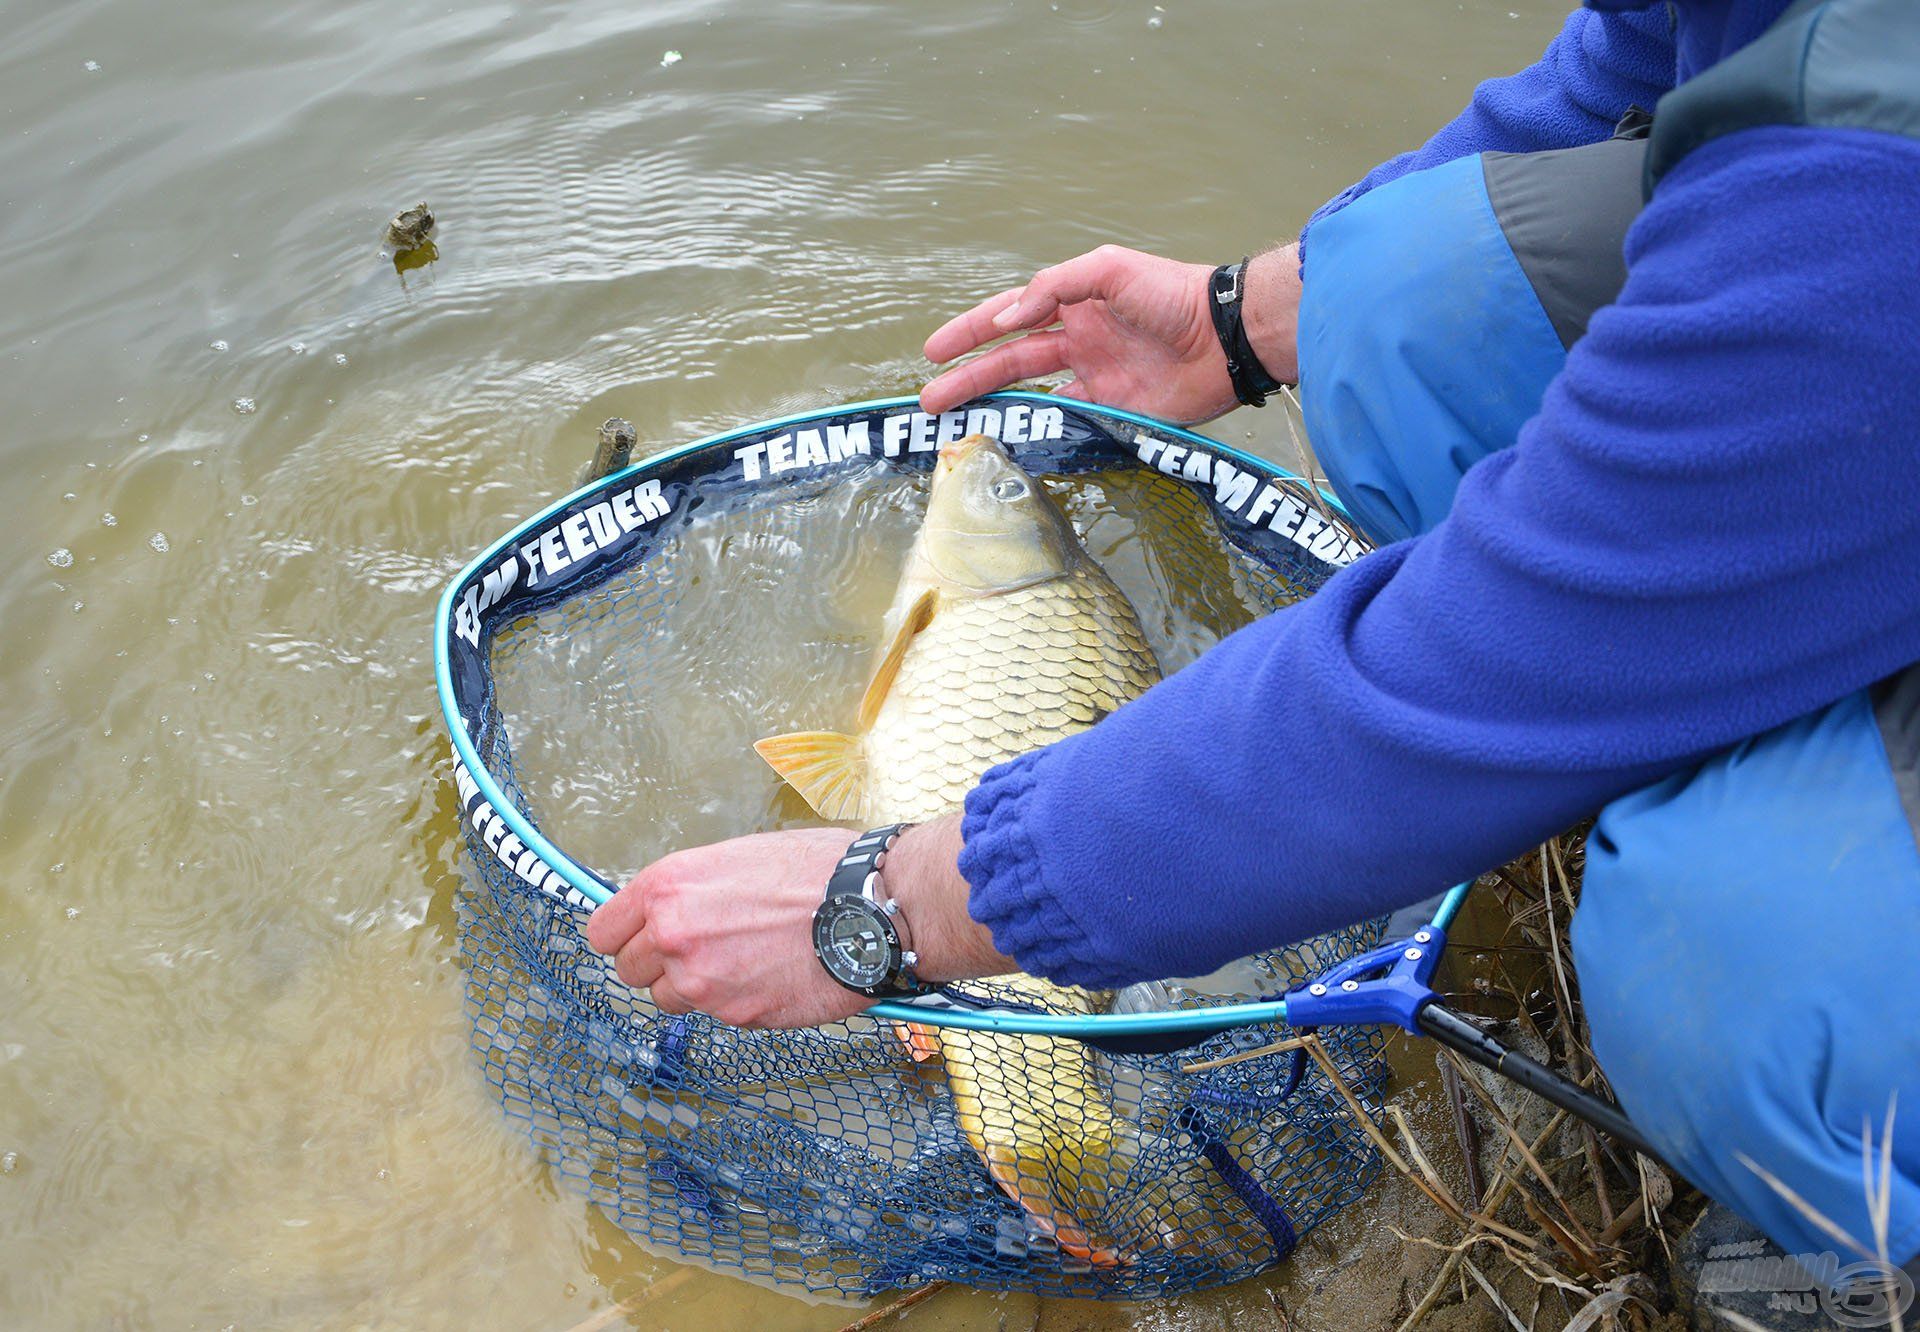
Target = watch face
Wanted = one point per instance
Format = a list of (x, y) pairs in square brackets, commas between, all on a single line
[(853, 941)]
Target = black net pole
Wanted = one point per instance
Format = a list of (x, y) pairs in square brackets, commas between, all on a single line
[(1456, 1033)]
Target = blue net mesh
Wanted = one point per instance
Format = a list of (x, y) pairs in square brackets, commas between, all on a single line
[(833, 1159)]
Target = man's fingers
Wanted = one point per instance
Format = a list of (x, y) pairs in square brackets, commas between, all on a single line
[(618, 920), (667, 999), (1095, 275), (1074, 389), (638, 963), (963, 333), (1024, 358)]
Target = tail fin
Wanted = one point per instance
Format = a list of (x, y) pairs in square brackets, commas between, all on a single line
[(826, 767)]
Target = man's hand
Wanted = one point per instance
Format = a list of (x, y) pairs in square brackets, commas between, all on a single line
[(1134, 328), (727, 929)]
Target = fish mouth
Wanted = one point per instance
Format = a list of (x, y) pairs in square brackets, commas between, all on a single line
[(951, 454)]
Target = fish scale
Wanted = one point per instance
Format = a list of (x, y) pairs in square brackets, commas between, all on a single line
[(994, 677)]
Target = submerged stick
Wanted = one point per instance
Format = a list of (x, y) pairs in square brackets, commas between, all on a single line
[(899, 1306)]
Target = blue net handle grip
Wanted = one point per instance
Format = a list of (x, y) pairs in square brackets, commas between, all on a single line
[(1351, 993)]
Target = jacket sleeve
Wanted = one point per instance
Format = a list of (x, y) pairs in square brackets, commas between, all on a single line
[(1601, 64), (1711, 527)]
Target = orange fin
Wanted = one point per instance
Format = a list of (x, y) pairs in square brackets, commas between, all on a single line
[(919, 615), (826, 767), (1065, 1228), (922, 1042)]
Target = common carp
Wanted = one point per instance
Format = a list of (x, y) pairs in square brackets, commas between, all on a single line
[(1005, 635)]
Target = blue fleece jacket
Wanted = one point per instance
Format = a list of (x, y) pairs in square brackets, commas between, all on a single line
[(1712, 526)]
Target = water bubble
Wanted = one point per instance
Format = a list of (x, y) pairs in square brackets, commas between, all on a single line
[(142, 439), (298, 349), (245, 406), (159, 542), (92, 67), (69, 497), (218, 344), (73, 913), (249, 500), (58, 867), (79, 606), (339, 358), (670, 58), (1155, 23), (9, 1162), (61, 558), (108, 520)]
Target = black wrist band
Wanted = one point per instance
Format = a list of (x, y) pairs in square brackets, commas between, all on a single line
[(1228, 288)]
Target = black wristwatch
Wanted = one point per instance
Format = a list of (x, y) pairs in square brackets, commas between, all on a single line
[(1228, 288), (858, 933)]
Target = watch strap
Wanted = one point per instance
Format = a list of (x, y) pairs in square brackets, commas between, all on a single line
[(862, 859), (1227, 290), (858, 875)]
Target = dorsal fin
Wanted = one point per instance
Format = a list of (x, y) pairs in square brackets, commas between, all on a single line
[(825, 767), (919, 615)]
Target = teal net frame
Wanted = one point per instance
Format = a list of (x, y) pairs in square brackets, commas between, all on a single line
[(826, 1159)]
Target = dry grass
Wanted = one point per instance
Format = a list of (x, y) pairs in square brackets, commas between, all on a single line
[(1560, 1228)]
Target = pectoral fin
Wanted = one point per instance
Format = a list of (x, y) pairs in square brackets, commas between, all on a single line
[(918, 616), (826, 767), (922, 1041)]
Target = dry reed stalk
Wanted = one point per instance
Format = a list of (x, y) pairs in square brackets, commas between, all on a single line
[(1584, 1253), (1440, 1198)]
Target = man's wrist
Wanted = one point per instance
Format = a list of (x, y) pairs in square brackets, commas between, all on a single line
[(923, 875), (1270, 311)]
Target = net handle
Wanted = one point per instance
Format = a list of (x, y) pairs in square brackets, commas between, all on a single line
[(1196, 1022)]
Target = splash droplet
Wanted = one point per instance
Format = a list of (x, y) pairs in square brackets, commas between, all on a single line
[(249, 500), (245, 406), (670, 58), (108, 520), (159, 542), (61, 558), (339, 358), (92, 67), (218, 344), (298, 349), (73, 913), (9, 1162)]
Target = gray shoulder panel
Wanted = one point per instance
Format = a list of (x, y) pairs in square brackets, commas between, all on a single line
[(1852, 64), (1896, 707), (1565, 214)]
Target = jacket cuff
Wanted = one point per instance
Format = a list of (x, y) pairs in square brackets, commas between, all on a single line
[(1009, 894)]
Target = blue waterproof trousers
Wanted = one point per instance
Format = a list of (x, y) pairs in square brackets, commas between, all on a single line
[(1748, 932)]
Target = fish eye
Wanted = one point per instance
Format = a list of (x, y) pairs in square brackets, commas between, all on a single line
[(1009, 488)]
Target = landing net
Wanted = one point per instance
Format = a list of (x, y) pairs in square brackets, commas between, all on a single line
[(586, 715)]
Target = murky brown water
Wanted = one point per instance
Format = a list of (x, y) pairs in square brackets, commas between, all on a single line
[(243, 456)]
